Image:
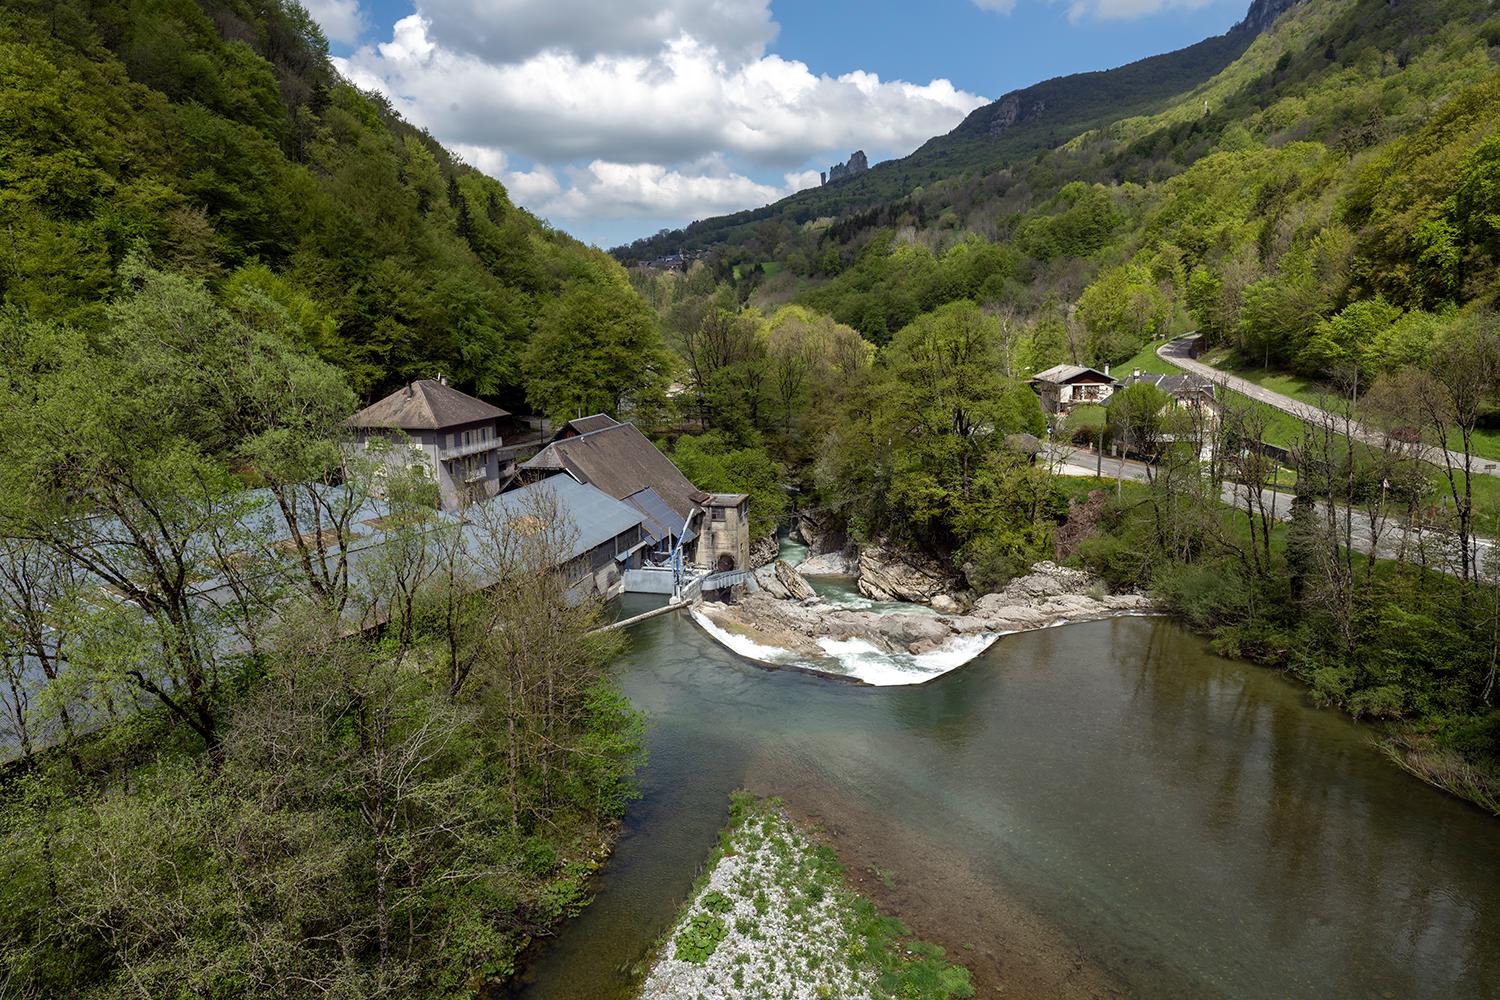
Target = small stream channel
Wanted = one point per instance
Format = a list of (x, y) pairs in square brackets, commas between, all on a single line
[(1188, 824)]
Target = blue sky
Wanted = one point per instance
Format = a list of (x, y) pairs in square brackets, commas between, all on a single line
[(614, 118)]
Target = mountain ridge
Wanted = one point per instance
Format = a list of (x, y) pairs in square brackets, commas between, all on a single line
[(1014, 125)]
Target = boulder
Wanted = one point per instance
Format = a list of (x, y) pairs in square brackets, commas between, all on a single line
[(945, 604), (828, 564), (911, 630), (780, 581), (890, 574), (769, 583), (797, 588)]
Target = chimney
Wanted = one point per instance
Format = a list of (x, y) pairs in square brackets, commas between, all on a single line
[(1106, 369), (409, 391)]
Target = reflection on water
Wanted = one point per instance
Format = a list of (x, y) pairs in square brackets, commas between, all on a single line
[(1188, 822)]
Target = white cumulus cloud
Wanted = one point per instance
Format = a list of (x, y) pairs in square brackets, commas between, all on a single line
[(671, 108), (341, 20), (514, 30)]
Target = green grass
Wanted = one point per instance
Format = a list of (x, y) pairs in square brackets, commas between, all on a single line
[(1314, 393), (1147, 361)]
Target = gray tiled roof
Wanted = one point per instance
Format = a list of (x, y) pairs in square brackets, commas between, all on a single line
[(586, 425), (1059, 374), (621, 461), (426, 405)]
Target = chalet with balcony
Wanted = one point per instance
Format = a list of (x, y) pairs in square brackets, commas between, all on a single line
[(1063, 387), (454, 436)]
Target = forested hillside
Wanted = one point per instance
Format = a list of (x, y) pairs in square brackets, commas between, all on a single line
[(1004, 132), (217, 137), (218, 777), (1346, 155)]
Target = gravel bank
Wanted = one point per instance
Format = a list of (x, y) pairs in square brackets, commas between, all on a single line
[(773, 919)]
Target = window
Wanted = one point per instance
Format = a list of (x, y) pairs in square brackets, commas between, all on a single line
[(718, 513)]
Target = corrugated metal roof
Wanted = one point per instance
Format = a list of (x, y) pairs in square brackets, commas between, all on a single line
[(426, 405), (591, 516), (659, 520)]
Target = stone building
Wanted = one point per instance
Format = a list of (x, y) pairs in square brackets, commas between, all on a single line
[(452, 435)]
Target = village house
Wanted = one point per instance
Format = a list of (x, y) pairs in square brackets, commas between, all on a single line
[(711, 530), (1188, 391), (452, 435), (1063, 387), (1192, 395)]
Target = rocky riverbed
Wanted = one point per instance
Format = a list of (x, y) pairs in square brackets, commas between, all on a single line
[(786, 623)]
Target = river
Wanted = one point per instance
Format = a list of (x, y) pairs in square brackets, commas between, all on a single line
[(1100, 809)]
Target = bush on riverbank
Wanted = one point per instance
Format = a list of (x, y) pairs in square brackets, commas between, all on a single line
[(358, 829)]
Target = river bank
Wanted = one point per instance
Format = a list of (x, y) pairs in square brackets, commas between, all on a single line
[(772, 917)]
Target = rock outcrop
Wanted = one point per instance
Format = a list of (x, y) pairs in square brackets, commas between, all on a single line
[(782, 582), (890, 574), (1264, 13), (819, 536), (1048, 595), (857, 164), (763, 551)]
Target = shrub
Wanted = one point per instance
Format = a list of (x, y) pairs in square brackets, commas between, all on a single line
[(699, 937)]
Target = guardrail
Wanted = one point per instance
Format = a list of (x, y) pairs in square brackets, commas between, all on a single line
[(718, 581)]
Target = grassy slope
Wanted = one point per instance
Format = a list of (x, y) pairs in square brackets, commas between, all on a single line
[(1486, 439)]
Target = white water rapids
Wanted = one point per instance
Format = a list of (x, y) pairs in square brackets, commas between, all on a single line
[(856, 658)]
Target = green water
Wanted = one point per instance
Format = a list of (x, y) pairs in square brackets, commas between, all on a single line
[(1188, 823)]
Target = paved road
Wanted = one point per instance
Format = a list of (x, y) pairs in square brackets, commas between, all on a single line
[(1175, 352), (1397, 539)]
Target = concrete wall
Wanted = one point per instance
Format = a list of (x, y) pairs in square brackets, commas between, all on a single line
[(648, 580)]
